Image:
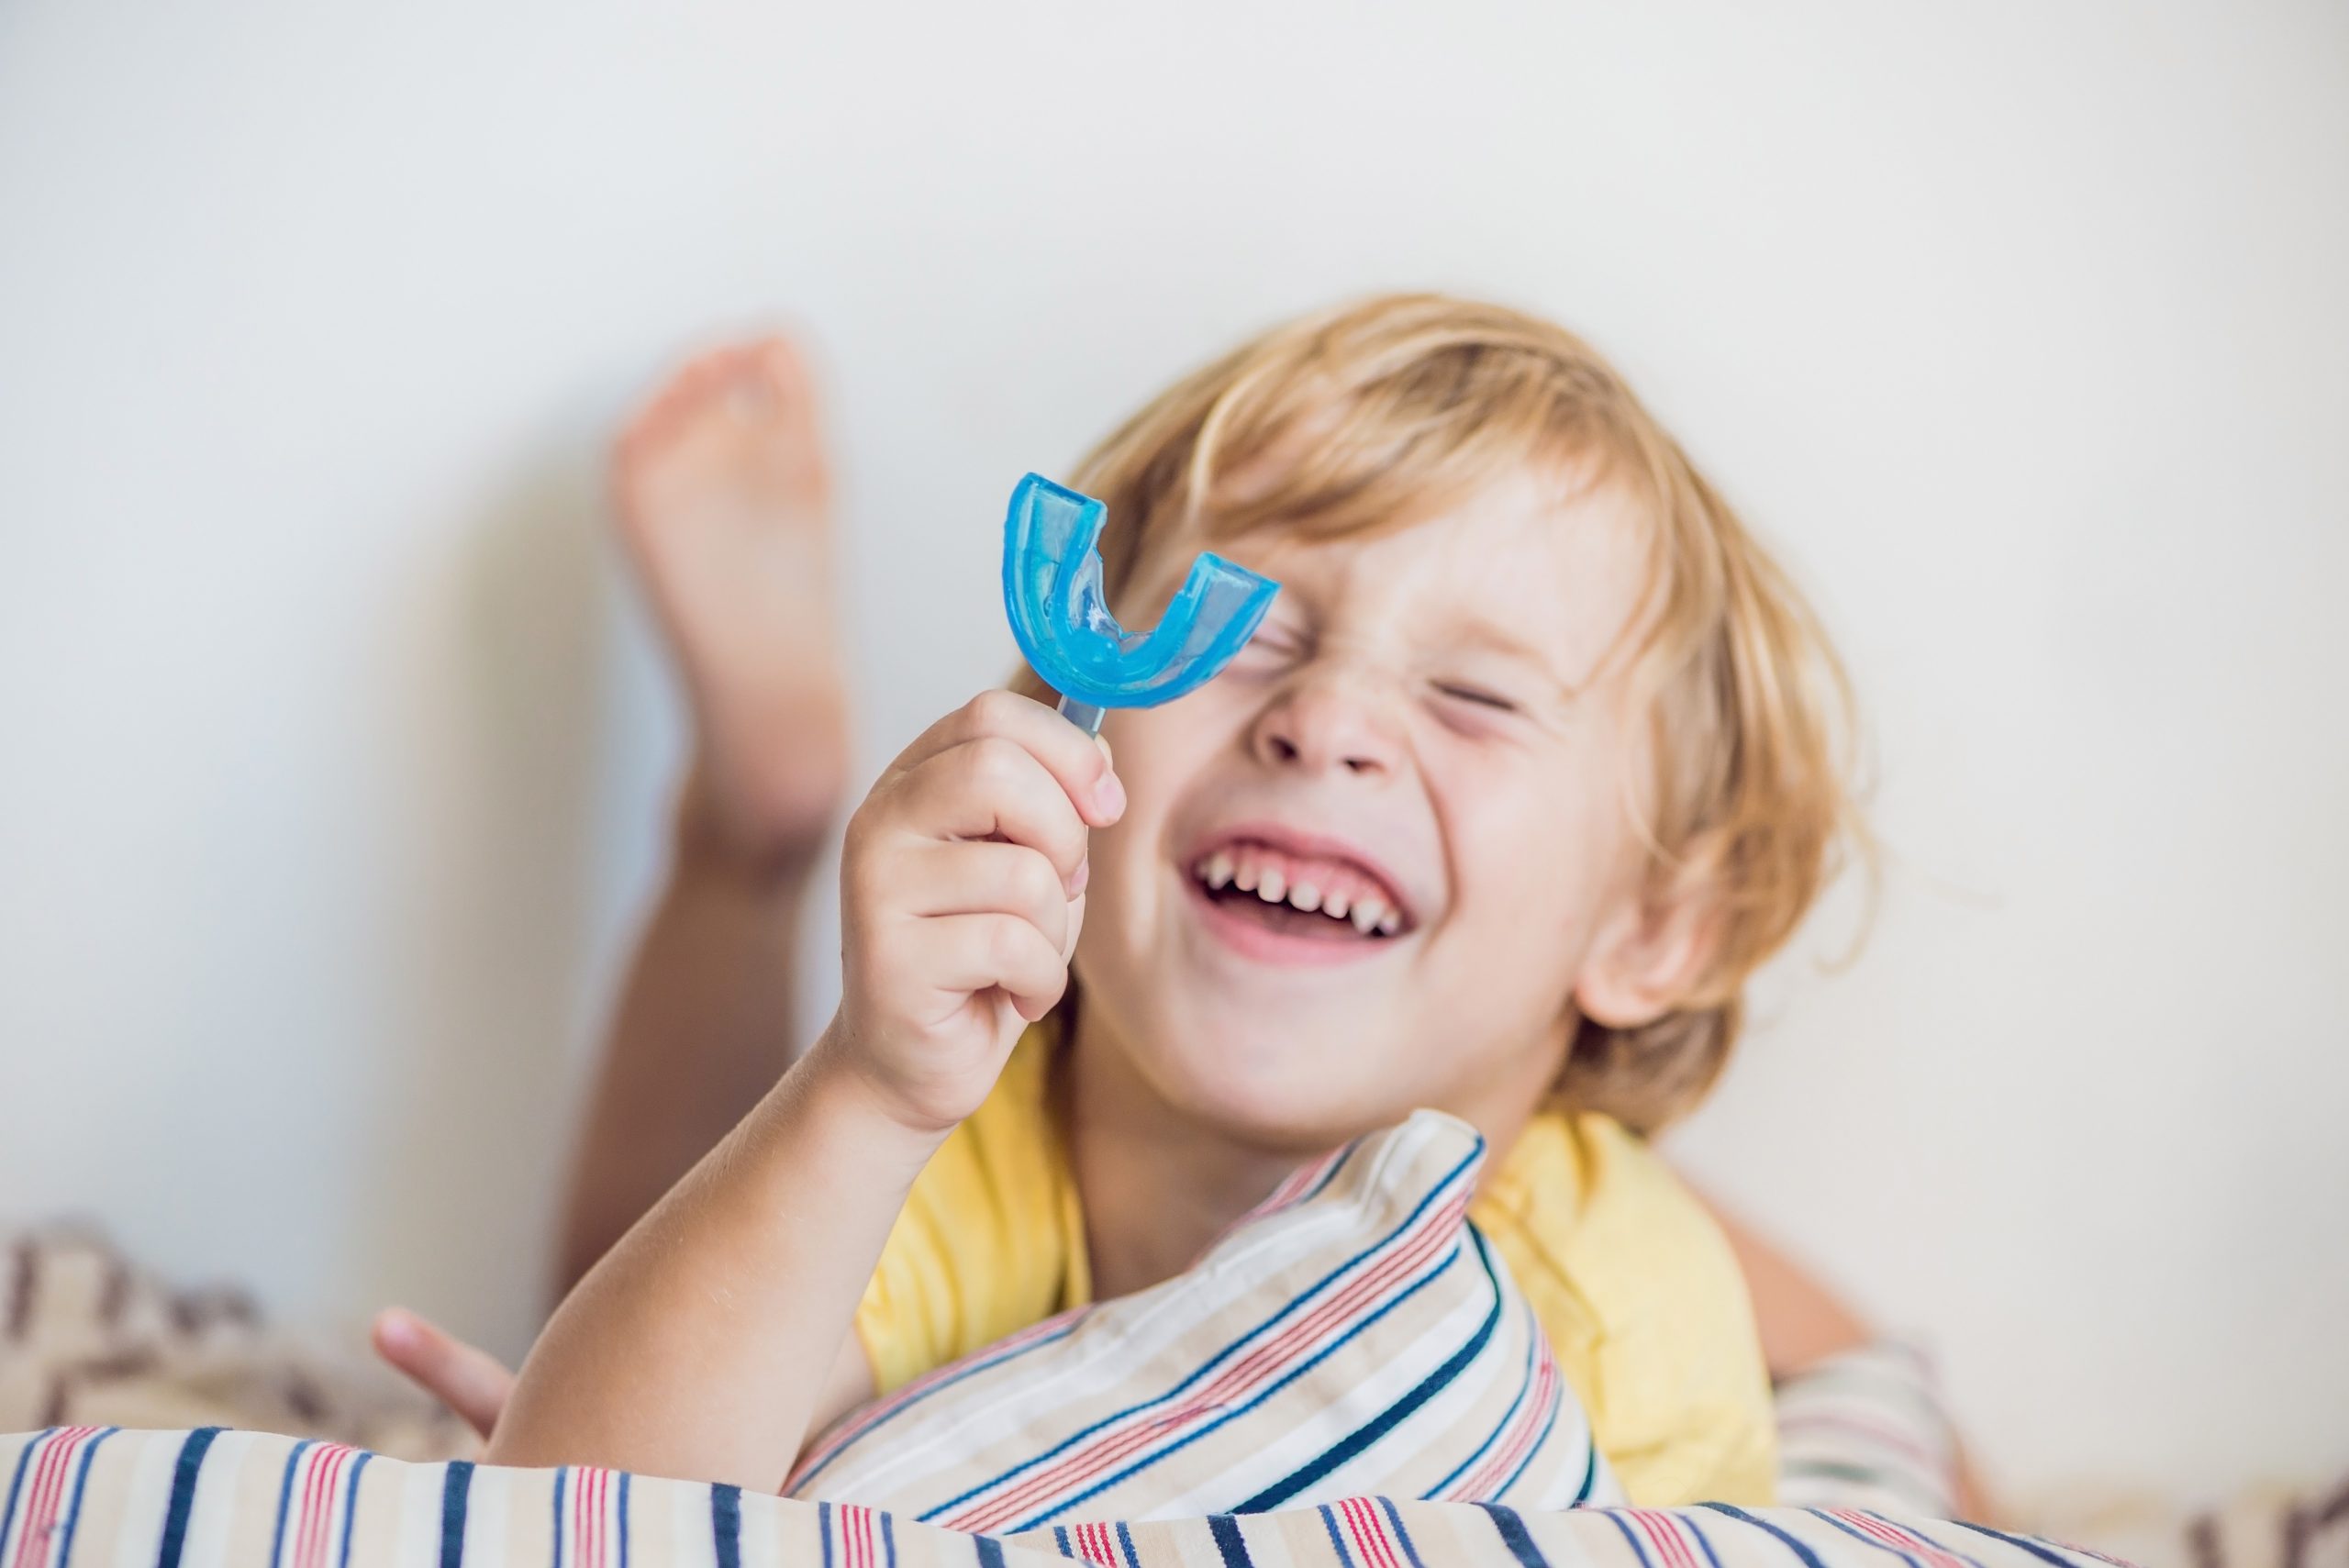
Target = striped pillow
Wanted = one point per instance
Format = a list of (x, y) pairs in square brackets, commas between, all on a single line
[(1355, 1334)]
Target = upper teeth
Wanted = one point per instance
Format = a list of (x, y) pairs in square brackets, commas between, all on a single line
[(1369, 912)]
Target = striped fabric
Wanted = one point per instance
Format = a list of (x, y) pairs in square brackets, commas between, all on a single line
[(1867, 1429), (102, 1498), (1355, 1334)]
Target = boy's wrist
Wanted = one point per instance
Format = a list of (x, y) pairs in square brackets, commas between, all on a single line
[(833, 1086)]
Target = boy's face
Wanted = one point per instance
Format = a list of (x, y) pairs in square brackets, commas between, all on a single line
[(1421, 730)]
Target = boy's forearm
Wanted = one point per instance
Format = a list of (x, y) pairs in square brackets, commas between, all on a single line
[(702, 1031), (698, 1347)]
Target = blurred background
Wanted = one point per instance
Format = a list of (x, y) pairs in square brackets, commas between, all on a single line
[(336, 752)]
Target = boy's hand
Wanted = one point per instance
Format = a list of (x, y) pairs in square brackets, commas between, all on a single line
[(466, 1378), (961, 891)]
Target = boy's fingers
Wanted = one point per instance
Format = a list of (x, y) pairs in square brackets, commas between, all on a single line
[(1082, 768), (468, 1380), (987, 878), (994, 788), (970, 953)]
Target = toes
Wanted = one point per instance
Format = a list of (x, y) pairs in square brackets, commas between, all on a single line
[(776, 360)]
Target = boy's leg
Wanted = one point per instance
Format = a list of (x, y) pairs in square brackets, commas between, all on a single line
[(724, 504)]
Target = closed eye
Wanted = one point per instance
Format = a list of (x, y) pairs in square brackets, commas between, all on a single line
[(1481, 698)]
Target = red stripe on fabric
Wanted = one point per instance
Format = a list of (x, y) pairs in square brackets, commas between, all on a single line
[(1664, 1531), (1236, 1381), (48, 1482), (1484, 1483), (1233, 1383), (312, 1462), (1095, 1545), (582, 1517), (596, 1514), (599, 1521), (1889, 1437), (1895, 1536), (875, 1414), (1369, 1531), (37, 1521), (1138, 1432), (1289, 1191), (318, 1503), (334, 1494)]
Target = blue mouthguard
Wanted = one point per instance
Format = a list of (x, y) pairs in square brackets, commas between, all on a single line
[(1051, 590)]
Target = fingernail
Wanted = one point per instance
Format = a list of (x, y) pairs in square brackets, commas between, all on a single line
[(1102, 740), (1083, 874), (1110, 796)]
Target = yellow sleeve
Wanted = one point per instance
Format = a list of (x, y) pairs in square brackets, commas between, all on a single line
[(1644, 1306), (982, 1248)]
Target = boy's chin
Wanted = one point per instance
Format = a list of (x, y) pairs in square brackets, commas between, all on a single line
[(1277, 1093)]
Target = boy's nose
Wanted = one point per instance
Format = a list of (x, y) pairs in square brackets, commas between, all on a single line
[(1325, 724)]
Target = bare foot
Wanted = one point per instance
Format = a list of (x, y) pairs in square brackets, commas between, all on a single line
[(724, 504)]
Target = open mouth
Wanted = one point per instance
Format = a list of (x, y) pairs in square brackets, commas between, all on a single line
[(1314, 898)]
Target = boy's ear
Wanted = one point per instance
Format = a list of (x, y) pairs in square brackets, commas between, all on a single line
[(1647, 958)]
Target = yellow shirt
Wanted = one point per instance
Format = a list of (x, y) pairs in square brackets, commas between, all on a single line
[(1632, 1280)]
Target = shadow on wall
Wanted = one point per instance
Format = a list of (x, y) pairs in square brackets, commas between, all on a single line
[(504, 668)]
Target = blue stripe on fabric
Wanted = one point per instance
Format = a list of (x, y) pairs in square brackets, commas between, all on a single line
[(1293, 1305), (350, 1509), (990, 1552), (1909, 1557), (889, 1540), (1450, 1256), (1524, 1390), (726, 1524), (1921, 1535), (1402, 1536), (824, 1531), (16, 1484), (940, 1387), (1809, 1558), (1549, 1425), (1340, 1163), (1631, 1534), (1229, 1545), (73, 1510), (184, 1474), (624, 1476), (1337, 1541), (1395, 1415), (1059, 1539), (2020, 1544), (561, 1478), (1590, 1464), (286, 1502), (1126, 1545), (1688, 1518), (456, 1489), (1515, 1536)]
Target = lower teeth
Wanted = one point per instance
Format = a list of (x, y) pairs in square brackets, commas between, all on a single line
[(1288, 916)]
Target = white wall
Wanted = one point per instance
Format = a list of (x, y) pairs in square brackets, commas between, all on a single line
[(333, 751)]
